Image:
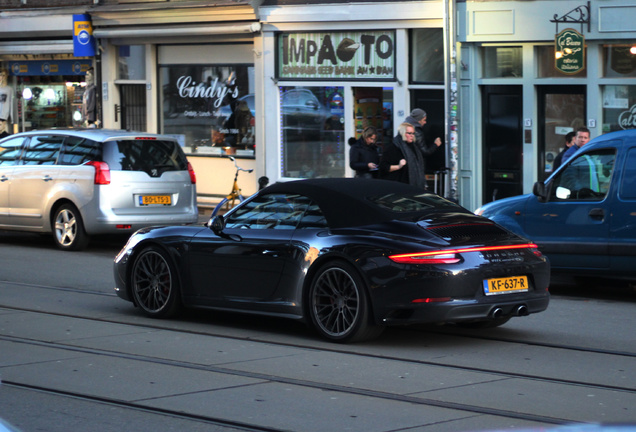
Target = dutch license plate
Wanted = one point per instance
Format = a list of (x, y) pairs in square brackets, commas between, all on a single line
[(145, 200), (506, 285)]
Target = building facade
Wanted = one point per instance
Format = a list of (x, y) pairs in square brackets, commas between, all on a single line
[(529, 73)]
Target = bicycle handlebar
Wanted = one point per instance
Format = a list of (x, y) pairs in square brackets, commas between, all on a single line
[(238, 168)]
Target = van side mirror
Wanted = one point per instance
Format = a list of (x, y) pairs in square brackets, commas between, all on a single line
[(539, 190)]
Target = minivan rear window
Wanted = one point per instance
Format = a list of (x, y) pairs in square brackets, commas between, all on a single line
[(153, 157), (79, 150)]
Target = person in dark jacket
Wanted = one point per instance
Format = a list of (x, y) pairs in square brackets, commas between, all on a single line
[(363, 154), (417, 119), (403, 160), (569, 142)]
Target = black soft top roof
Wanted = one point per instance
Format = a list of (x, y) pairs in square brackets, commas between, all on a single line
[(344, 200)]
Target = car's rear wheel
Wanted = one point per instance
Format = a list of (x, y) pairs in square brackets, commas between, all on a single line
[(339, 306), (68, 228), (154, 283)]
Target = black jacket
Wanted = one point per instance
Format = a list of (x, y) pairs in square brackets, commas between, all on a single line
[(360, 155)]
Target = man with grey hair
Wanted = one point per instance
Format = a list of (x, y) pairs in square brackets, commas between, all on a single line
[(418, 119)]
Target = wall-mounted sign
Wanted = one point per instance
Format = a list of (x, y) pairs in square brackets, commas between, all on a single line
[(337, 55), (569, 49), (83, 40), (50, 67)]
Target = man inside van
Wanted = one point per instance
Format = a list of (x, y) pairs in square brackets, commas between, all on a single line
[(582, 138)]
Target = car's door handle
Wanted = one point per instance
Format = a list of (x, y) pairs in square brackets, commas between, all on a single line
[(47, 178), (597, 213), (4, 178), (270, 253)]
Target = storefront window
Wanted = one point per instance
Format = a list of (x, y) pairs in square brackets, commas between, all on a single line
[(211, 107), (619, 61), (546, 61), (619, 107), (312, 132), (427, 61), (502, 62), (131, 62)]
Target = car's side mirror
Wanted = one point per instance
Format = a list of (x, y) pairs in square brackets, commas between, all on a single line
[(217, 224), (539, 190)]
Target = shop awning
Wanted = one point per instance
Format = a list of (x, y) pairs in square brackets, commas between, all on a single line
[(176, 31), (36, 47)]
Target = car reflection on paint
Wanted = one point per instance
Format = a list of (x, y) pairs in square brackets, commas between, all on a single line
[(347, 256)]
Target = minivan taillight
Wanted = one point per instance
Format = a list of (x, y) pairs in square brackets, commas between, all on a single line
[(193, 176), (102, 172)]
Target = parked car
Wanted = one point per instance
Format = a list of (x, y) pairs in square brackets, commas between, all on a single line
[(583, 217), (76, 183), (348, 256)]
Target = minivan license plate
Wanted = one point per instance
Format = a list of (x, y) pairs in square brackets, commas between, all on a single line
[(506, 285), (155, 200)]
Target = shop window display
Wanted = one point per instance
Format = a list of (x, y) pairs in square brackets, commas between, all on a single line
[(502, 62), (619, 61), (547, 66), (312, 132), (212, 107), (619, 107), (427, 62)]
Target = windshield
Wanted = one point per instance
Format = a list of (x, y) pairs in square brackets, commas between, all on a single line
[(151, 156)]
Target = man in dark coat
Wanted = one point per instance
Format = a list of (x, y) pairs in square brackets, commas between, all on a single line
[(418, 119)]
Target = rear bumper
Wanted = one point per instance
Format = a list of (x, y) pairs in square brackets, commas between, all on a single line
[(467, 310)]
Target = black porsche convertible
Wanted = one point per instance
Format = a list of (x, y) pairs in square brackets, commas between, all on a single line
[(348, 256)]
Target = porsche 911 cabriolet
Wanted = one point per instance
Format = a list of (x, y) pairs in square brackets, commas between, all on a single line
[(347, 256)]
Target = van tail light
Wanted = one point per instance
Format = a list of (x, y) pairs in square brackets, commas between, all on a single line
[(102, 172), (451, 256), (193, 176)]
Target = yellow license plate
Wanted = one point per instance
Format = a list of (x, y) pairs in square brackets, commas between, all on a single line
[(155, 200), (506, 285)]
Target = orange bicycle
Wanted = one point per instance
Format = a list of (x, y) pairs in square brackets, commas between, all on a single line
[(235, 196)]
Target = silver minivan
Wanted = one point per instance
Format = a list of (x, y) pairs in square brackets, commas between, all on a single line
[(78, 182)]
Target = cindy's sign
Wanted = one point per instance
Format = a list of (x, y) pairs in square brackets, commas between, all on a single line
[(337, 55), (569, 49)]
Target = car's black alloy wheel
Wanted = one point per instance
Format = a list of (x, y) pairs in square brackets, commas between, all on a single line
[(68, 228), (154, 283), (339, 306)]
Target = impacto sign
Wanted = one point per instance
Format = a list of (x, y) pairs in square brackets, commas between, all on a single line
[(569, 50), (368, 55)]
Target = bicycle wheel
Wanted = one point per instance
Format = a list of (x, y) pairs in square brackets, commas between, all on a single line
[(226, 205)]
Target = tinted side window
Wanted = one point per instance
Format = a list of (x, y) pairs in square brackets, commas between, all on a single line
[(586, 178), (42, 150), (313, 218), (79, 150), (10, 151), (628, 182), (272, 211), (154, 157)]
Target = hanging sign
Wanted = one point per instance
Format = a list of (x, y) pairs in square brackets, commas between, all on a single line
[(83, 40), (569, 49), (368, 55)]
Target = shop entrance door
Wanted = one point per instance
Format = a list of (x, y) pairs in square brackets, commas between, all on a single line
[(561, 110), (133, 107), (502, 142)]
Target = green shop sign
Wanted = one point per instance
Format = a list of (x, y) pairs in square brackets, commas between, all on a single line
[(569, 50), (368, 55)]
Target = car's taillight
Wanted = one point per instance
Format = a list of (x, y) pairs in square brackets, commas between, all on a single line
[(102, 172), (193, 176), (450, 256)]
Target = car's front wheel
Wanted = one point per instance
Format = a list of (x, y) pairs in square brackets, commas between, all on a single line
[(68, 228), (154, 283), (339, 306)]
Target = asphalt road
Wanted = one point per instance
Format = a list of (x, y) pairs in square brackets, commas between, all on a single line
[(73, 356)]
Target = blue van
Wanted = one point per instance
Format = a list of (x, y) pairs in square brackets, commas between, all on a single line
[(583, 217)]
